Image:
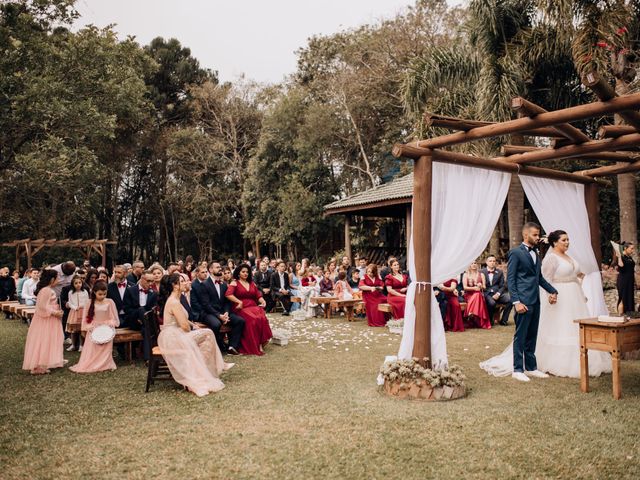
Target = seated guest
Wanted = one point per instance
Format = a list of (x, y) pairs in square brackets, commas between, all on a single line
[(173, 268), (354, 279), (158, 272), (262, 279), (20, 284), (29, 287), (103, 276), (453, 316), (99, 311), (137, 269), (326, 285), (474, 284), (294, 281), (273, 264), (333, 270), (441, 297), (342, 289), (249, 304), (211, 306), (193, 357), (280, 288), (396, 283), (7, 285), (91, 279), (138, 300), (116, 290), (227, 275), (371, 286), (308, 288), (386, 269), (496, 291), (362, 266), (346, 264)]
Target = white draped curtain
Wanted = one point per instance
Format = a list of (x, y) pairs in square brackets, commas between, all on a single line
[(561, 205), (466, 204)]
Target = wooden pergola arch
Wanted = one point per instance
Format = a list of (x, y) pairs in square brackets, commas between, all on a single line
[(29, 248), (615, 143)]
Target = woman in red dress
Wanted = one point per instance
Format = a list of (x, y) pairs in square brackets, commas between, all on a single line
[(371, 286), (474, 284), (453, 319), (250, 305), (396, 283)]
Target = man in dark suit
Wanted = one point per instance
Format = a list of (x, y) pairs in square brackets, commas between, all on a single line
[(137, 301), (117, 289), (496, 292), (280, 288), (524, 278), (262, 279), (209, 303), (137, 269)]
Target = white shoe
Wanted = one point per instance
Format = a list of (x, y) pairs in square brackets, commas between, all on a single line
[(71, 348), (536, 373), (67, 341), (80, 348), (520, 376)]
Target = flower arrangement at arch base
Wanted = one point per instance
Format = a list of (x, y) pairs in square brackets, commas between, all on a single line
[(409, 379)]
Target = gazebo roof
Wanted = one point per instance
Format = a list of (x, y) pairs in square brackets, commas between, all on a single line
[(378, 199)]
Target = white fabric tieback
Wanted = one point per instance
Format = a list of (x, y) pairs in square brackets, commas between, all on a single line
[(421, 285)]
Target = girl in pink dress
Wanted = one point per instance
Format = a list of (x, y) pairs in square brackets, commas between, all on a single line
[(78, 297), (44, 348), (100, 311), (396, 283), (453, 319), (371, 286), (342, 289), (250, 305), (474, 284)]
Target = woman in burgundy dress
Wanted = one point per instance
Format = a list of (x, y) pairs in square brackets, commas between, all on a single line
[(371, 286), (396, 283), (453, 320), (474, 284), (250, 305)]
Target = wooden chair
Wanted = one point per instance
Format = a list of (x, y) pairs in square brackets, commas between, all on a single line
[(157, 368)]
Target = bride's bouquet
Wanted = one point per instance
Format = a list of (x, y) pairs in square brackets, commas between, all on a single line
[(617, 248)]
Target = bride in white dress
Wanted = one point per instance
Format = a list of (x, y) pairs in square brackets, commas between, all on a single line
[(558, 344)]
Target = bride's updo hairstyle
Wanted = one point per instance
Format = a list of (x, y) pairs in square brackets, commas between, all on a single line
[(554, 237), (166, 287)]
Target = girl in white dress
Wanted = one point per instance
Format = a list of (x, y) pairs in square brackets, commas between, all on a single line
[(558, 345)]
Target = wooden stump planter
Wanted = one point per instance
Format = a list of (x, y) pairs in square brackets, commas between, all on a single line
[(409, 379), (423, 391)]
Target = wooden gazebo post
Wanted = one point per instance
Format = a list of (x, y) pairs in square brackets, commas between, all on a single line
[(347, 237), (422, 186)]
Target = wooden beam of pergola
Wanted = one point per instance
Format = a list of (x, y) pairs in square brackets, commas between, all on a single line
[(571, 114), (530, 109), (605, 92), (615, 131), (570, 151), (611, 170), (509, 150), (452, 123), (416, 153)]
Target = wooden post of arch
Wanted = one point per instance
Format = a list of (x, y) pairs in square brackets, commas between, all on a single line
[(593, 212), (422, 187), (347, 237)]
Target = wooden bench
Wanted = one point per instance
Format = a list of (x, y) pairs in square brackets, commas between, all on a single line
[(6, 305), (326, 302), (385, 307), (348, 305), (296, 300), (127, 336)]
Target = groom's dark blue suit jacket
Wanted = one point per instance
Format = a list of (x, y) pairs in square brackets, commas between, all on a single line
[(525, 277)]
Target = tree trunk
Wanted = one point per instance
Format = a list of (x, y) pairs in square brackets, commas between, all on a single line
[(626, 189), (515, 202)]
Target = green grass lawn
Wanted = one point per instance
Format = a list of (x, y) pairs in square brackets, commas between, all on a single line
[(312, 410)]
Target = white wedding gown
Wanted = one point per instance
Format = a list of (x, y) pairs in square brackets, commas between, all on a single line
[(558, 345)]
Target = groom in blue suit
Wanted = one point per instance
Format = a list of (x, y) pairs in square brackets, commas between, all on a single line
[(524, 277)]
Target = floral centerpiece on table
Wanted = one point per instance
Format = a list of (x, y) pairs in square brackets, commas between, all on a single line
[(408, 378), (395, 326)]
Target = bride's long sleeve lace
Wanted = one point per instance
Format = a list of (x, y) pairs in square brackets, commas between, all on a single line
[(549, 267)]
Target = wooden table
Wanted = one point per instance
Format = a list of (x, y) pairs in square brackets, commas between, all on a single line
[(615, 338)]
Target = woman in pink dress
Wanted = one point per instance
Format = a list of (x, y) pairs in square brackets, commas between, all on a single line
[(44, 348), (250, 305), (193, 356), (474, 284), (396, 283), (453, 319), (371, 286), (99, 311)]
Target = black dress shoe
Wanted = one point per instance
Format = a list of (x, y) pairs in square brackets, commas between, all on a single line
[(285, 314), (232, 351), (504, 324)]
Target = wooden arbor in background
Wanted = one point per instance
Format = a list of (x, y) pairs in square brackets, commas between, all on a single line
[(615, 143), (29, 248)]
